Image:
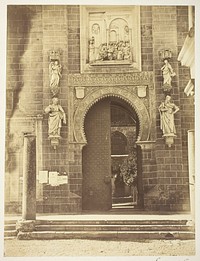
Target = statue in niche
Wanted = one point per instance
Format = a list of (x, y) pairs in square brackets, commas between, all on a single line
[(167, 110), (168, 73), (56, 116), (55, 75)]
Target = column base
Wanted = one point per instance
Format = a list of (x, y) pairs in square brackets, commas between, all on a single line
[(25, 225)]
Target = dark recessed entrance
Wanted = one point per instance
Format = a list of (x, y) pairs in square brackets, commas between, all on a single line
[(111, 128)]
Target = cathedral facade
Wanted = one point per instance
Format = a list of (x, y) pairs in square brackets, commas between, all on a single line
[(101, 91)]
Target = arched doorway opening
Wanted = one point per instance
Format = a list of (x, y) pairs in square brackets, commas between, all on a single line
[(111, 128)]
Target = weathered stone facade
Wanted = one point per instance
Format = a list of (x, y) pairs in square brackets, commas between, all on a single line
[(34, 31)]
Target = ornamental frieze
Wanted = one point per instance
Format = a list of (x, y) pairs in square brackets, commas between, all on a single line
[(136, 78)]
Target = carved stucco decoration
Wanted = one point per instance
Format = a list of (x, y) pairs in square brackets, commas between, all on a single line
[(102, 79), (100, 93), (87, 90)]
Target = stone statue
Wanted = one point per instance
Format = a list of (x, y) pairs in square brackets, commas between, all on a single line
[(56, 116), (168, 73), (167, 110), (55, 75)]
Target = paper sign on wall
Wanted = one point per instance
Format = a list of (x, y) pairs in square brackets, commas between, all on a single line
[(62, 179), (43, 176), (53, 178)]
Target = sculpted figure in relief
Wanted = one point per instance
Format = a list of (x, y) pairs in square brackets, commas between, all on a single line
[(55, 75), (91, 50), (167, 110), (56, 116), (112, 51)]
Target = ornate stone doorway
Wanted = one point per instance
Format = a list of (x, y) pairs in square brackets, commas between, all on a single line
[(111, 127), (136, 94)]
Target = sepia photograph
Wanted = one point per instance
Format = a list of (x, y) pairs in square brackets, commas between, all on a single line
[(99, 129)]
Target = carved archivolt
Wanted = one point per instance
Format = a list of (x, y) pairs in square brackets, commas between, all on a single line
[(101, 93)]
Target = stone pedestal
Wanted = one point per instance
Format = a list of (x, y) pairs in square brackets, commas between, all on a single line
[(29, 178)]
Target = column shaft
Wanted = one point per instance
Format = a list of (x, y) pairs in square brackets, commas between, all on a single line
[(29, 178)]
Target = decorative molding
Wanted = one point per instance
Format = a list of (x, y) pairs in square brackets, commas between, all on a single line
[(54, 55), (136, 78), (100, 93), (187, 54)]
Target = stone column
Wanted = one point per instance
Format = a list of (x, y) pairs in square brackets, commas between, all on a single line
[(29, 178), (191, 163)]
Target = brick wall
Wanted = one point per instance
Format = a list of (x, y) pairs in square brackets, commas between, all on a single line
[(171, 189), (73, 16), (55, 37), (146, 38)]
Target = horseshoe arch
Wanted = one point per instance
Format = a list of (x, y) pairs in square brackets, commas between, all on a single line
[(101, 93)]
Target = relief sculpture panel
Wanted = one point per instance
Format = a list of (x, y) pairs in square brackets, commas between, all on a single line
[(110, 37)]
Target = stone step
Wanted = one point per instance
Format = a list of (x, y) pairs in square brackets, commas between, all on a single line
[(9, 221), (10, 227), (128, 235), (115, 227), (10, 238), (112, 222), (10, 233)]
